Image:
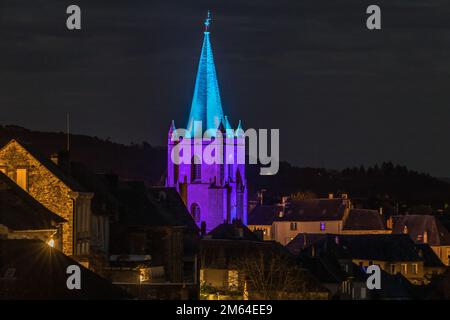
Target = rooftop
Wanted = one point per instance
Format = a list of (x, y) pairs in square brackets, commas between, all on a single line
[(20, 211)]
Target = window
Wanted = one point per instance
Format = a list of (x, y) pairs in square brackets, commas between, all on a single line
[(195, 212), (176, 173), (221, 173), (393, 269), (293, 226), (415, 268), (233, 279), (322, 226), (240, 206), (196, 169), (404, 268), (22, 178)]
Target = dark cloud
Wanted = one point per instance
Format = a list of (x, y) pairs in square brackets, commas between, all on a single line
[(340, 94)]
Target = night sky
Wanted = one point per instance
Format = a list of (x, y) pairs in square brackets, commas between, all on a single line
[(340, 94)]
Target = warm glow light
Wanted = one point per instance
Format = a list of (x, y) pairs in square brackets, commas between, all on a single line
[(51, 242)]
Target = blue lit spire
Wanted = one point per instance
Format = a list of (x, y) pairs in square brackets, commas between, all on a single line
[(206, 105)]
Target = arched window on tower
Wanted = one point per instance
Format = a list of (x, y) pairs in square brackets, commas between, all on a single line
[(196, 169), (195, 212), (239, 183), (176, 173), (221, 173), (230, 171)]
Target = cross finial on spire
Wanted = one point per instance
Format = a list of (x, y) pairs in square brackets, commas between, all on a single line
[(208, 21)]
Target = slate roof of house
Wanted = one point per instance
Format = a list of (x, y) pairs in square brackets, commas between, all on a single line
[(313, 210), (232, 231), (382, 247), (417, 225), (142, 206), (328, 270), (51, 166), (20, 211), (263, 215), (172, 207), (103, 201), (30, 269), (394, 287), (305, 240), (439, 287), (364, 219), (430, 258)]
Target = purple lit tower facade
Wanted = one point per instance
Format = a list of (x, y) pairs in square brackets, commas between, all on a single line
[(213, 193)]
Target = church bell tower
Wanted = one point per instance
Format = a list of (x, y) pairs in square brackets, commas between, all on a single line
[(213, 193)]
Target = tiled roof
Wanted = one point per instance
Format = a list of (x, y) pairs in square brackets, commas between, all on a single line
[(20, 211), (363, 219)]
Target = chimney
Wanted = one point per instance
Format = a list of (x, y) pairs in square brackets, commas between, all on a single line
[(62, 160), (280, 214), (389, 223), (55, 159), (330, 196)]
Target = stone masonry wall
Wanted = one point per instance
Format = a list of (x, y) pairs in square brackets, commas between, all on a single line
[(43, 185)]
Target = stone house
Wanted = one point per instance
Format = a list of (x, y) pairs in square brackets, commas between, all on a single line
[(49, 182)]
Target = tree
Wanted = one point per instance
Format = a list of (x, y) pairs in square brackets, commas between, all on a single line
[(272, 274)]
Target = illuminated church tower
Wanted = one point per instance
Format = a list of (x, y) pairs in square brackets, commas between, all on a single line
[(213, 193)]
